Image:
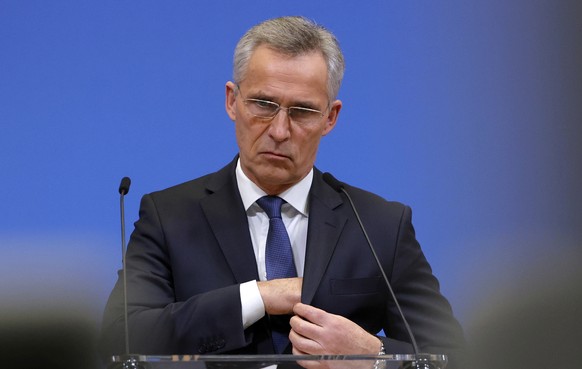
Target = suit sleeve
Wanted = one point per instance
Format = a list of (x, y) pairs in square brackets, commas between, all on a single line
[(427, 311), (159, 321)]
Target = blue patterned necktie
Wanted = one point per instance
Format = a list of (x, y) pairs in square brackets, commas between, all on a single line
[(278, 261)]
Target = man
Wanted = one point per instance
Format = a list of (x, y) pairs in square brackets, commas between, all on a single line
[(199, 264)]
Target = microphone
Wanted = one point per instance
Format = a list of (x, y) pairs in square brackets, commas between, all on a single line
[(124, 185), (339, 187), (123, 190)]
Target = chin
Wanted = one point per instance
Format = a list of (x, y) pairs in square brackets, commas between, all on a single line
[(276, 180)]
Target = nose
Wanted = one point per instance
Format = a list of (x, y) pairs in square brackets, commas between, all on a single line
[(279, 129)]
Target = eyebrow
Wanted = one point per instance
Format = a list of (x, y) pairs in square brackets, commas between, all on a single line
[(259, 95)]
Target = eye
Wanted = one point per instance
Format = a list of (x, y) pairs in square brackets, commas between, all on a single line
[(305, 114), (264, 105)]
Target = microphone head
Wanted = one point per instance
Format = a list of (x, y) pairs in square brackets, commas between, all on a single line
[(124, 186), (334, 183)]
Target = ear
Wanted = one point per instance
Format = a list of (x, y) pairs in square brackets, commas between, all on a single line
[(334, 110), (230, 100)]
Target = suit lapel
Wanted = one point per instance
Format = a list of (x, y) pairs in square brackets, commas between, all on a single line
[(227, 218), (325, 227)]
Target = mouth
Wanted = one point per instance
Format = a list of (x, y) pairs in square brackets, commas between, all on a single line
[(275, 155)]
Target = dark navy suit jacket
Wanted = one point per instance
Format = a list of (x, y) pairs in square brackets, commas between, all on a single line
[(191, 249)]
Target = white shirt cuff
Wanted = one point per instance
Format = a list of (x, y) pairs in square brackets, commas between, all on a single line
[(252, 304)]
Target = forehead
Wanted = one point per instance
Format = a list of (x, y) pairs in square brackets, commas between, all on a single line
[(274, 73)]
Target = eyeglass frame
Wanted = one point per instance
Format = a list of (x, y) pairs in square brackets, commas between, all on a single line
[(279, 108)]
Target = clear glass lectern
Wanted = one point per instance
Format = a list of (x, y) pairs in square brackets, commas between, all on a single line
[(421, 361)]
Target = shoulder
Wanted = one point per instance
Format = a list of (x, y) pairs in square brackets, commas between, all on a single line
[(360, 196), (192, 188), (196, 189), (378, 210), (371, 199), (371, 206)]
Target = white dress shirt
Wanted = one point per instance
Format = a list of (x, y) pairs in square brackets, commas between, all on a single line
[(295, 216)]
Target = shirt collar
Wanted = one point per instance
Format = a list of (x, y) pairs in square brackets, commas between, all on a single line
[(296, 195)]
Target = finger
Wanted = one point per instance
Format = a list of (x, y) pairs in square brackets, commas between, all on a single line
[(296, 351), (314, 315), (298, 341), (305, 328), (302, 343), (310, 364)]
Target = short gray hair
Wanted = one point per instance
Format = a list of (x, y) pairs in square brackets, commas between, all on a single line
[(292, 36)]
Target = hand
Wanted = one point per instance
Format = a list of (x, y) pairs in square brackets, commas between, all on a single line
[(280, 295), (317, 332)]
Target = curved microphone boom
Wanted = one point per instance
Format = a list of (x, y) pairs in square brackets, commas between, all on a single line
[(123, 190), (339, 187)]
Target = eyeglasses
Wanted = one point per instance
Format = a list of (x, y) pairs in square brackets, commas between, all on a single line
[(264, 109)]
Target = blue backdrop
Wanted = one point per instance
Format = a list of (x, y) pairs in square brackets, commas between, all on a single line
[(470, 112)]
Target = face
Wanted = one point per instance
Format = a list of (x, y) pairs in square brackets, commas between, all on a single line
[(277, 153)]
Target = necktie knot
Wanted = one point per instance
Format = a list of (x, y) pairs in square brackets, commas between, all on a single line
[(271, 205)]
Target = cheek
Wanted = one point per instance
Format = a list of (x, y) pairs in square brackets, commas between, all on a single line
[(314, 137), (309, 145), (247, 136)]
